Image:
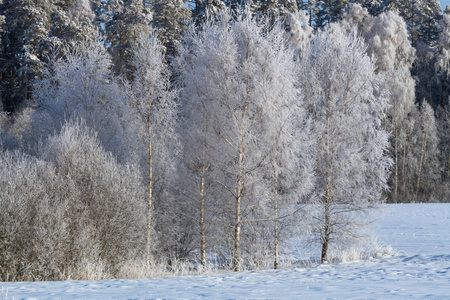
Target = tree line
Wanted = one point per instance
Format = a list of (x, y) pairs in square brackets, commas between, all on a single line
[(133, 135)]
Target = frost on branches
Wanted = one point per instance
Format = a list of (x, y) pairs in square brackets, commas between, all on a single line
[(339, 82)]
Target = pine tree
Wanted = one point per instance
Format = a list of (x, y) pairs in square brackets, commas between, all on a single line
[(170, 19), (129, 20), (329, 11), (26, 27), (374, 7), (201, 7), (274, 9), (2, 20), (429, 23), (421, 17)]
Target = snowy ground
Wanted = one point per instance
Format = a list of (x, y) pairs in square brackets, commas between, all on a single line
[(419, 232)]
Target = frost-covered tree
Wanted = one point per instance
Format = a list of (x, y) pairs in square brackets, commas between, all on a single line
[(71, 23), (387, 39), (31, 32), (82, 21), (339, 82), (241, 102), (443, 126), (410, 12), (389, 44), (428, 165), (81, 85), (73, 210), (299, 31), (310, 7), (441, 91), (443, 60), (108, 213), (32, 214), (356, 15), (154, 112)]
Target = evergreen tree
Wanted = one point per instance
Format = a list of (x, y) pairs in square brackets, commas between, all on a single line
[(26, 27), (329, 11), (200, 7), (129, 20), (421, 17), (429, 23), (274, 9), (442, 65), (170, 19), (374, 7)]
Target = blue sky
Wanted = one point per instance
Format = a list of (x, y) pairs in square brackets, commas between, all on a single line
[(444, 3)]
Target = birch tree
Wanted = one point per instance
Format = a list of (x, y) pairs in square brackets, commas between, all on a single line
[(388, 42), (428, 166), (339, 82), (152, 102), (239, 83)]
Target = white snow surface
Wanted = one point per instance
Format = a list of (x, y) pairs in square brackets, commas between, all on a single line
[(420, 233)]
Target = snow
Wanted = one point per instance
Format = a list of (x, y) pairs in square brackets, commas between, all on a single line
[(419, 232)]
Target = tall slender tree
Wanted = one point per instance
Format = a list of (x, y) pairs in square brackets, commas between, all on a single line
[(340, 84), (153, 103), (389, 43), (428, 155)]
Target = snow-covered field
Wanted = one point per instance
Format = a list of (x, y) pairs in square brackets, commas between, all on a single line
[(420, 233)]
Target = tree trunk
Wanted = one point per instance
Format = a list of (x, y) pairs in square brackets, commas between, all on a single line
[(327, 228), (150, 184), (275, 263), (237, 236), (443, 91), (396, 151), (422, 156), (237, 228), (202, 220), (404, 166)]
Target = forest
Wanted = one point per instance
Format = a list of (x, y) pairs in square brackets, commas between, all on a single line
[(139, 135)]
